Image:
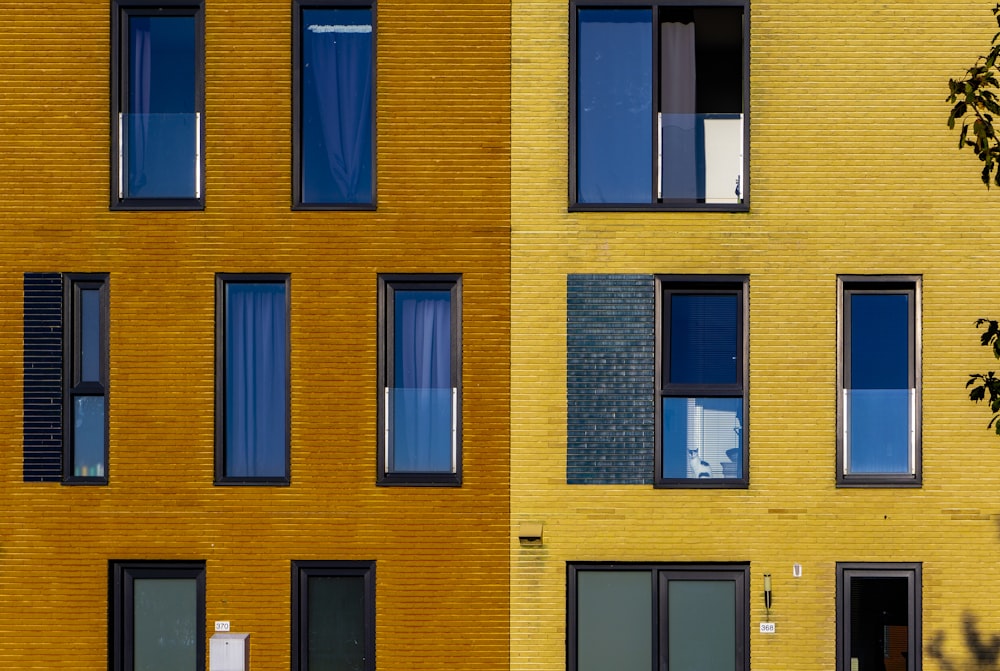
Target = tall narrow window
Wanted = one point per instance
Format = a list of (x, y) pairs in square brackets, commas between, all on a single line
[(879, 436), (660, 103), (334, 116), (878, 617), (157, 615), (85, 379), (157, 105), (420, 379), (671, 616), (252, 379), (333, 616), (702, 404)]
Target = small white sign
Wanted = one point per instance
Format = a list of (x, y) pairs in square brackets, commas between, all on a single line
[(767, 627), (223, 625)]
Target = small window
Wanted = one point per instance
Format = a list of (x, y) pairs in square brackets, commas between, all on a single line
[(157, 615), (702, 382), (85, 379), (879, 399), (252, 379), (334, 74), (420, 366), (878, 617), (157, 105), (671, 616), (659, 105), (333, 615)]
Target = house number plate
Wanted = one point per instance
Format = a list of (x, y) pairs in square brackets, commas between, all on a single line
[(767, 627)]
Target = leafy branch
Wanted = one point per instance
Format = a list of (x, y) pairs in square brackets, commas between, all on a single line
[(987, 383), (976, 95)]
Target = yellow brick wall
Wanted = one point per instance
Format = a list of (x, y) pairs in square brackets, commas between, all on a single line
[(853, 170), (443, 206)]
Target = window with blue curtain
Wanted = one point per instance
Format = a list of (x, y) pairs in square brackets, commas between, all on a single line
[(254, 368), (158, 134), (659, 104), (334, 113), (420, 403), (702, 389), (879, 403)]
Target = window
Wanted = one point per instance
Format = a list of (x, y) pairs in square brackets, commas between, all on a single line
[(157, 615), (659, 101), (334, 73), (878, 617), (702, 381), (672, 617), (333, 615), (878, 441), (85, 379), (252, 379), (420, 366), (157, 105)]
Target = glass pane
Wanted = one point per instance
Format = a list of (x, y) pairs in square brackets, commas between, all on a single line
[(702, 437), (701, 625), (701, 104), (704, 339), (88, 436), (336, 630), (160, 126), (420, 430), (166, 624), (879, 619), (336, 120), (880, 430), (614, 106), (880, 338), (614, 621), (90, 335), (256, 360), (880, 402)]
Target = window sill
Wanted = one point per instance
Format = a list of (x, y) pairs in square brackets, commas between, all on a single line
[(658, 207)]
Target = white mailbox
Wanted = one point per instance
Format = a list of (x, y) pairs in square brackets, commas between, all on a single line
[(229, 652)]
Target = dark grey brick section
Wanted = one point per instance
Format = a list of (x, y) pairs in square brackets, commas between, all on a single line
[(610, 360), (43, 377)]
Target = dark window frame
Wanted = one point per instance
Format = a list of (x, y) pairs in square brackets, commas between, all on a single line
[(656, 6), (221, 280), (120, 11), (72, 284), (121, 576), (302, 570), (297, 90), (736, 571), (912, 572), (876, 284), (387, 285), (667, 285)]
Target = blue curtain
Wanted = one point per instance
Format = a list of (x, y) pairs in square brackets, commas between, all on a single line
[(256, 379), (614, 140), (161, 126), (337, 106), (422, 393)]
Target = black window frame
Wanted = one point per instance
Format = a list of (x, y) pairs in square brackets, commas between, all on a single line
[(656, 6), (739, 572), (297, 89), (910, 571), (302, 570), (666, 286), (221, 280), (387, 285), (121, 576), (875, 284), (72, 387), (121, 10)]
